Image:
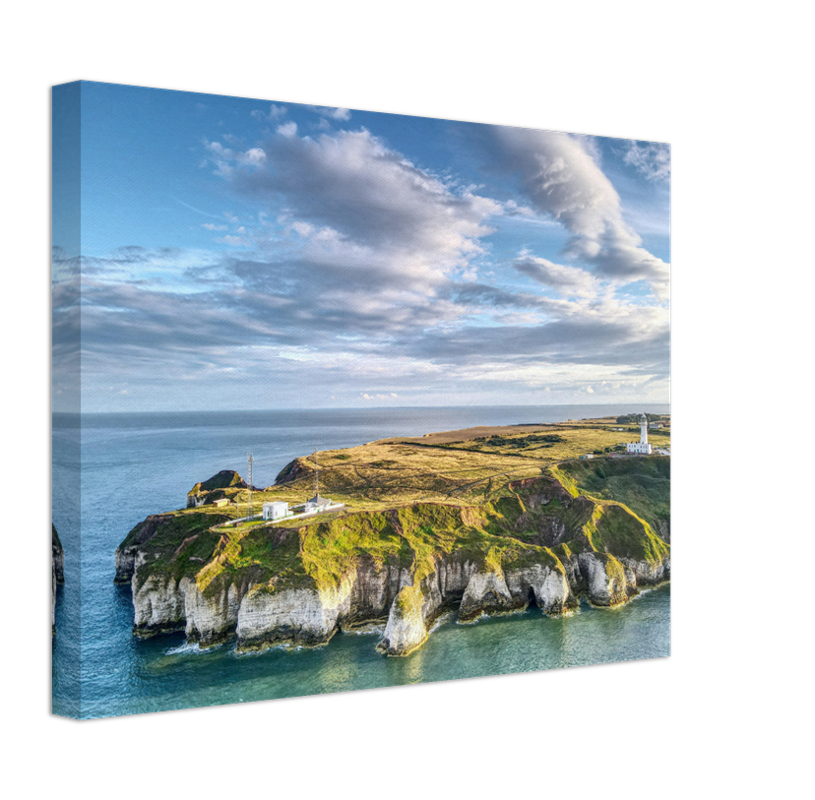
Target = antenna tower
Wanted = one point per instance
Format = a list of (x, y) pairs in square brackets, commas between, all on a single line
[(316, 476), (249, 462)]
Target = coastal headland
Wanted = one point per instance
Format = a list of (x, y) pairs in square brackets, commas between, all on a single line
[(473, 522)]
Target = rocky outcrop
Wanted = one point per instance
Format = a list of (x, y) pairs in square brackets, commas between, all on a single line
[(57, 572), (260, 616), (297, 617), (127, 552), (293, 471), (547, 585), (607, 582), (159, 559), (648, 573), (542, 546), (407, 622), (223, 484), (158, 605), (479, 593)]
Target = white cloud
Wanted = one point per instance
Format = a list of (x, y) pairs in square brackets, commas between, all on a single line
[(561, 176), (302, 228), (651, 159), (233, 241), (288, 129), (256, 156), (557, 276), (226, 158), (370, 212), (351, 258), (342, 114), (274, 112)]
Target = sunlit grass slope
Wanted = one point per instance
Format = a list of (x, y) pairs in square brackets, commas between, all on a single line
[(505, 498)]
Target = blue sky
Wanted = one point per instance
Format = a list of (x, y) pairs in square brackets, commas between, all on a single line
[(240, 253)]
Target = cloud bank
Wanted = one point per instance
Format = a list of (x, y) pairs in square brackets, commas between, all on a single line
[(349, 270), (560, 175)]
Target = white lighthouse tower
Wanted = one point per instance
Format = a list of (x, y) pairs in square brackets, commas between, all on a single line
[(641, 447)]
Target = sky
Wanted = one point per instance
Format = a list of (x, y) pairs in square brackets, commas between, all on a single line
[(251, 254)]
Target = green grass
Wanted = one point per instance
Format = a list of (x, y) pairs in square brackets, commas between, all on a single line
[(331, 549), (260, 554), (642, 484), (501, 501), (617, 530), (180, 543), (323, 553)]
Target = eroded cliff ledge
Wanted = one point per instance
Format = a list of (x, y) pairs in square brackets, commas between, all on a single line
[(541, 542), (57, 571)]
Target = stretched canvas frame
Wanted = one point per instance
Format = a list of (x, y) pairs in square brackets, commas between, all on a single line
[(76, 272)]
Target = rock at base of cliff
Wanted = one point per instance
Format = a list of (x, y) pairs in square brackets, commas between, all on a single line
[(608, 581), (406, 629), (487, 593)]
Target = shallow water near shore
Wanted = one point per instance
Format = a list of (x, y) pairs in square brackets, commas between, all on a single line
[(139, 464)]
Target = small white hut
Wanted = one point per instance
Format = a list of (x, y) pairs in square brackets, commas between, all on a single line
[(275, 510)]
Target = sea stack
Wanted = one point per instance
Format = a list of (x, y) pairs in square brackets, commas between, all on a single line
[(57, 571)]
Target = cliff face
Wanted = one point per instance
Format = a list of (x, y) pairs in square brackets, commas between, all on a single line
[(542, 544), (473, 592), (57, 571)]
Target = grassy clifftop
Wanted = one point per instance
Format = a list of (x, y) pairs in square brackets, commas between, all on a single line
[(500, 499), (641, 484), (322, 552)]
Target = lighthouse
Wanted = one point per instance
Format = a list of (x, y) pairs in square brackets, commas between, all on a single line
[(641, 447)]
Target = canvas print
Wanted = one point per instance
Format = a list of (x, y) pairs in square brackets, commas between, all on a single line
[(346, 400)]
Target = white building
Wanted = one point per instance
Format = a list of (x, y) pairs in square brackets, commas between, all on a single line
[(641, 447), (276, 510), (318, 503)]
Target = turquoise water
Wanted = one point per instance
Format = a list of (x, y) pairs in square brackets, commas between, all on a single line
[(135, 465)]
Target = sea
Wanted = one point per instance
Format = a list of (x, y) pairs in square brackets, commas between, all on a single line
[(137, 464)]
